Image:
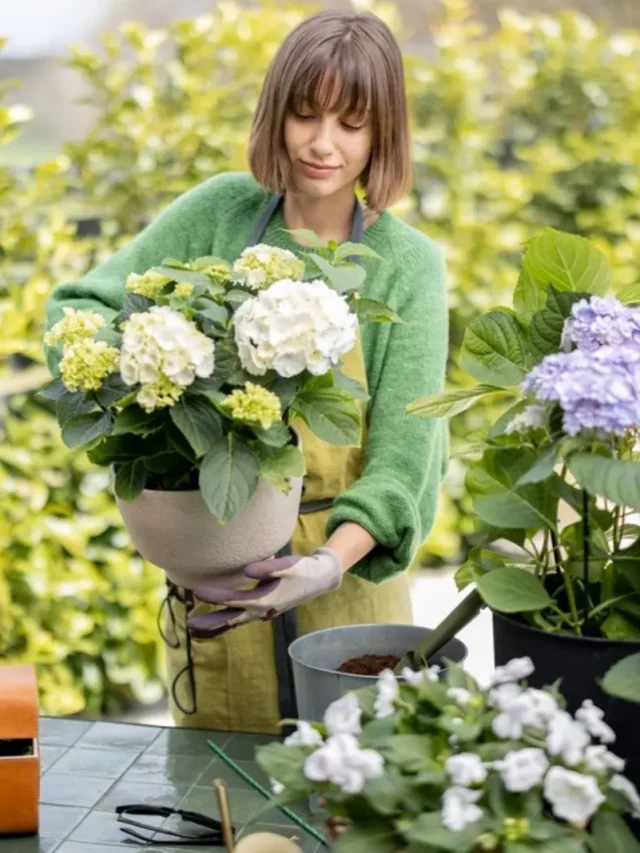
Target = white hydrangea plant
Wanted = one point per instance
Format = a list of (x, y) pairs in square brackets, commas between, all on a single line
[(442, 764), (208, 366)]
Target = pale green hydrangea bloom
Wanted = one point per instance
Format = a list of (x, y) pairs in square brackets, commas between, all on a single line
[(85, 364), (254, 405), (74, 326), (263, 265), (183, 290), (159, 395), (149, 284), (220, 273)]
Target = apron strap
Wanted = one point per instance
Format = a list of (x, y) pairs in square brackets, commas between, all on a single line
[(265, 217)]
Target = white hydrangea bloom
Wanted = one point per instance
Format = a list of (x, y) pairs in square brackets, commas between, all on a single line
[(592, 718), (161, 345), (342, 762), (574, 797), (343, 716), (466, 769), (626, 787), (388, 692), (304, 735), (294, 326), (515, 670), (567, 738), (460, 695), (262, 265), (459, 809), (523, 769), (415, 679), (532, 417), (599, 759)]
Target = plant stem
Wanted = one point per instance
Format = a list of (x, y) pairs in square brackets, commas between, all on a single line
[(544, 563), (571, 596), (585, 556), (611, 601), (556, 550)]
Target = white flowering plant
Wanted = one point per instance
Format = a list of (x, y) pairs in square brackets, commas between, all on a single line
[(555, 483), (437, 763), (198, 381)]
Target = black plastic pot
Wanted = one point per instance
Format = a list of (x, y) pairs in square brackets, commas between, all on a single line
[(581, 662)]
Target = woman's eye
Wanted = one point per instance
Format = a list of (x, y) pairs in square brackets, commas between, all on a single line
[(304, 116), (351, 127)]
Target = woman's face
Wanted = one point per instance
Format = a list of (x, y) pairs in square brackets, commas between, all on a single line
[(328, 152)]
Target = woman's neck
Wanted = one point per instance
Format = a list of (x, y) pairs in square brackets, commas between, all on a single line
[(331, 218)]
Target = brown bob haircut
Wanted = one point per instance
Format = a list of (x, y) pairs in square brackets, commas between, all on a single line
[(337, 60)]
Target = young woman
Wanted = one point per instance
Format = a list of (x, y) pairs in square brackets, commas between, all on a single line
[(332, 117)]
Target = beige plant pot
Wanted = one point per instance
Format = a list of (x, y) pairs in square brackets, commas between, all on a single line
[(177, 532)]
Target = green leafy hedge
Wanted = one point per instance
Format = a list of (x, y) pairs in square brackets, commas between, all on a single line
[(532, 125)]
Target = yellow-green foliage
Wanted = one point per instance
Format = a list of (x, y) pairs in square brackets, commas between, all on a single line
[(532, 125)]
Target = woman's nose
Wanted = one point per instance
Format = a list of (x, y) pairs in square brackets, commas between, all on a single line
[(322, 142)]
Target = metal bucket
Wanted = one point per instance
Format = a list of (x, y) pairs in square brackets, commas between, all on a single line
[(317, 656)]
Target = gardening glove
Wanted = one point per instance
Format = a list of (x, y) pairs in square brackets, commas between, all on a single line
[(283, 584)]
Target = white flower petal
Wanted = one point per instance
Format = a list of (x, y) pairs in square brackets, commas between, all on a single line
[(459, 809), (574, 797), (305, 735), (466, 769), (343, 716), (523, 769), (515, 670)]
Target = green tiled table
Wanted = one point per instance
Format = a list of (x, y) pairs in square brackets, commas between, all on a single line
[(89, 768)]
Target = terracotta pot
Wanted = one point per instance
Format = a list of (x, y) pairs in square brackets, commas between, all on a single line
[(19, 750), (177, 532)]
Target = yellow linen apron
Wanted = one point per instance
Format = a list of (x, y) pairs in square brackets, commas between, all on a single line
[(234, 676)]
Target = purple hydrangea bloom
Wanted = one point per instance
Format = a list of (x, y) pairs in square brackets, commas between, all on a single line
[(596, 390), (601, 321)]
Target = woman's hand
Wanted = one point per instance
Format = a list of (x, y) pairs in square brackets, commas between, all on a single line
[(283, 584)]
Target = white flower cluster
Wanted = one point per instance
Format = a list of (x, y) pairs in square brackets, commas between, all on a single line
[(262, 265), (342, 761), (569, 770), (574, 796), (163, 352), (294, 326), (339, 759)]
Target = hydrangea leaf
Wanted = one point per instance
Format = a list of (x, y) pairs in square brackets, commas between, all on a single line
[(567, 262), (494, 349)]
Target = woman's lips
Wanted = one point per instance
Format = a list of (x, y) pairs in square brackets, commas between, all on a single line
[(315, 171)]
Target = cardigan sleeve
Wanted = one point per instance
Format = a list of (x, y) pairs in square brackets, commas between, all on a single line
[(183, 230), (405, 456)]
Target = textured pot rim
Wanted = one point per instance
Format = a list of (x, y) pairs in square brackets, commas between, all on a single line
[(195, 491), (372, 678), (565, 638)]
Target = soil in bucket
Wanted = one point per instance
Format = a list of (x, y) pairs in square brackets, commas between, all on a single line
[(369, 664)]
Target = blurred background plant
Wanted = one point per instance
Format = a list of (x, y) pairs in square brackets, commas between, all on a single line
[(531, 124)]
